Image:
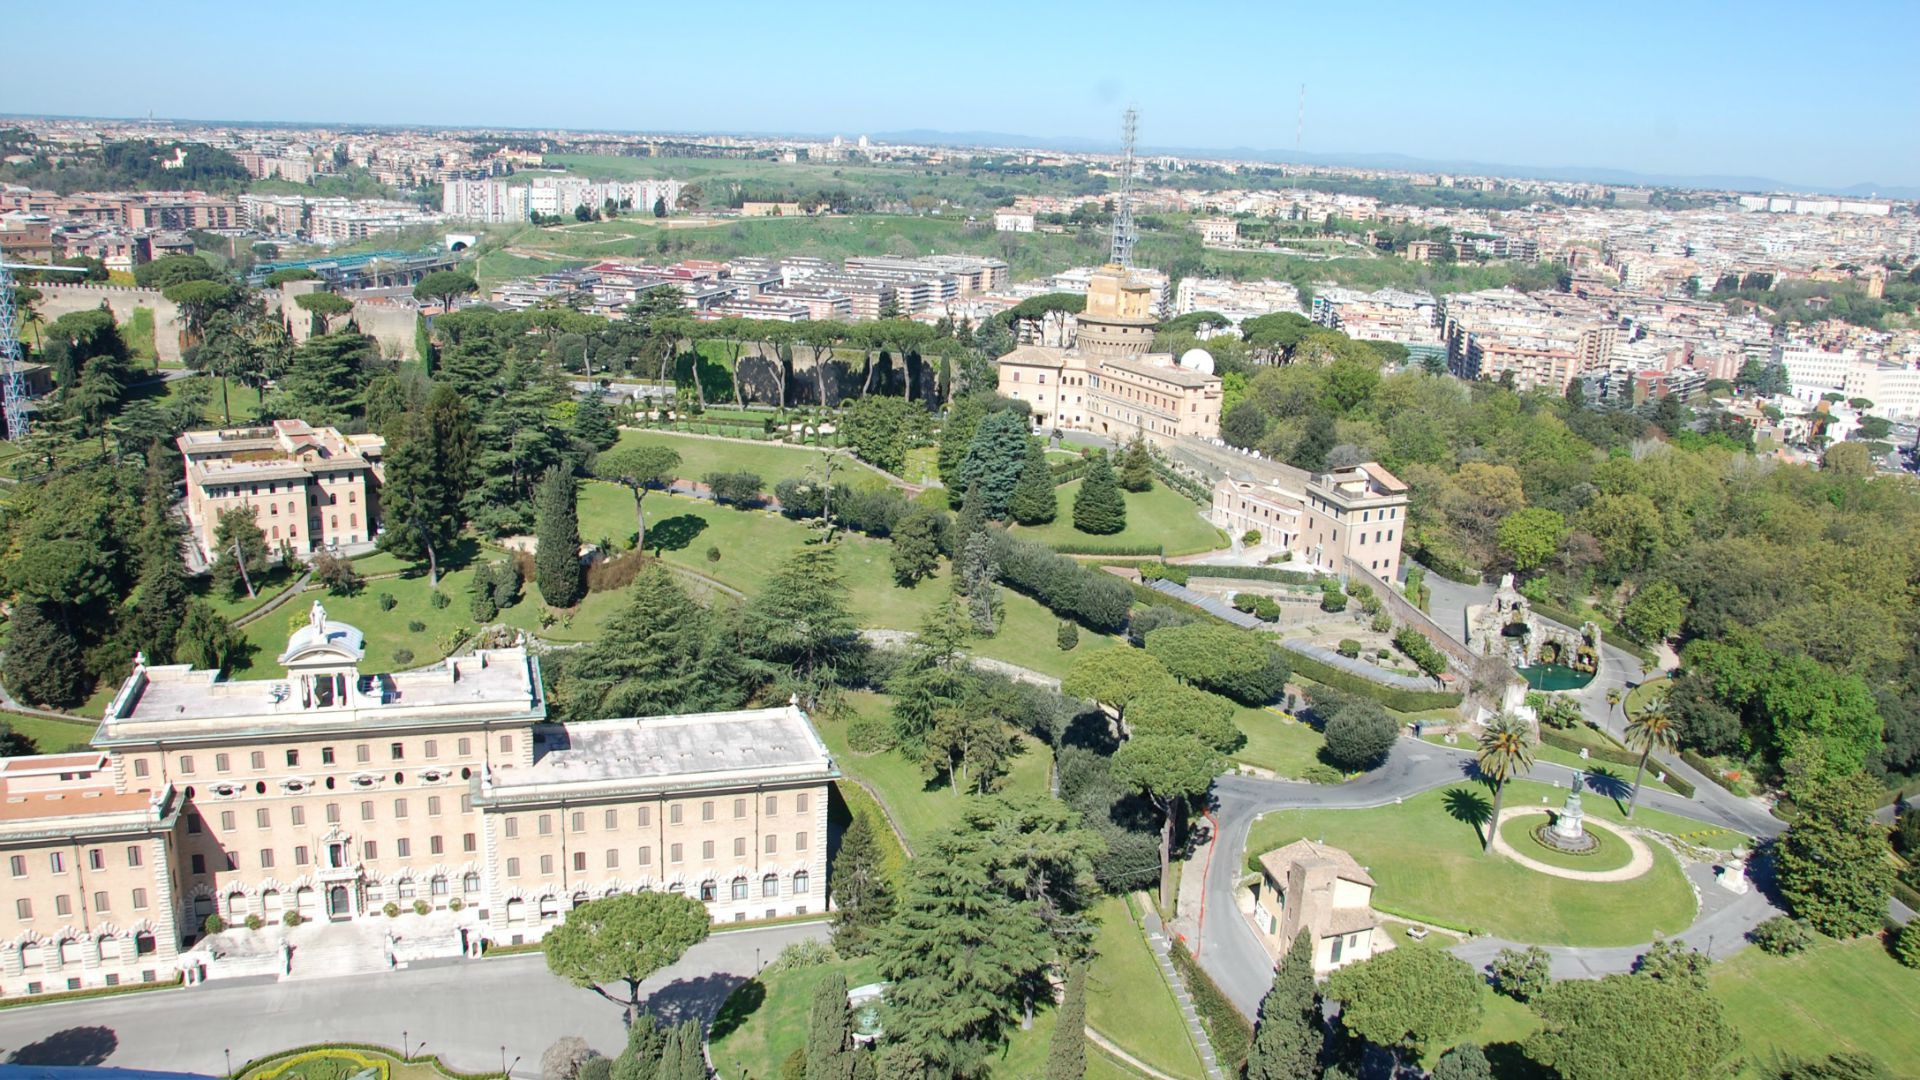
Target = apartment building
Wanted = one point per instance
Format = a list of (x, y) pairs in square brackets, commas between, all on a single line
[(1326, 520), (1385, 315), (335, 791), (309, 488)]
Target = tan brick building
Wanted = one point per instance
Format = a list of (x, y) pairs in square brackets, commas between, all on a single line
[(334, 793), (309, 488), (1320, 891), (1324, 519)]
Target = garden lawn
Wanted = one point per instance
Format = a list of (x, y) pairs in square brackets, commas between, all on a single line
[(1159, 515), (1517, 831), (1276, 741), (923, 807), (1128, 999), (1502, 1019), (1429, 866), (50, 736), (1645, 692), (774, 462), (1838, 995)]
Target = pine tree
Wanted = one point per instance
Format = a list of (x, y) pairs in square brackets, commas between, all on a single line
[(593, 423), (1034, 500), (862, 895), (484, 609), (1067, 1053), (557, 569), (646, 1041), (1098, 507), (660, 653), (800, 624), (975, 577), (1136, 466), (240, 550), (915, 549), (158, 606), (1831, 863), (956, 434), (830, 1030), (994, 460), (1288, 1039), (1464, 1062), (43, 663)]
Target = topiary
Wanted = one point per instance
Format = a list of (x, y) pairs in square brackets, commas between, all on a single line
[(387, 602), (713, 553), (255, 922), (416, 626), (1349, 647), (391, 911), (421, 907), (1322, 774), (291, 918), (1068, 636), (214, 924), (456, 904)]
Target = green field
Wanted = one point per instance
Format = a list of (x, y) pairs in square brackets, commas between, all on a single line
[(773, 462), (1158, 515), (1128, 999), (1838, 995), (50, 736), (1429, 866), (923, 806), (1277, 742), (1610, 855)]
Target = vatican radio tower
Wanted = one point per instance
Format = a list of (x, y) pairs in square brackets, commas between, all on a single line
[(13, 387), (1123, 231)]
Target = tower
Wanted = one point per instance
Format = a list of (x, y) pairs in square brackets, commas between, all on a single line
[(13, 387), (1123, 231)]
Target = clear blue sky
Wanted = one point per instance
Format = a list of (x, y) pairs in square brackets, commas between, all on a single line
[(1800, 93)]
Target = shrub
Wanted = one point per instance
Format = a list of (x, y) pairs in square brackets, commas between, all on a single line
[(1359, 733), (794, 1067), (1068, 635), (391, 910), (1906, 945), (386, 601), (418, 627), (1390, 696), (1231, 1034), (1223, 660), (1086, 594), (336, 573), (439, 599), (1319, 773), (1250, 538), (1331, 598), (291, 918), (713, 553), (403, 657), (1349, 647), (1254, 573), (1160, 571), (612, 575), (1781, 936), (1421, 651), (1382, 622), (456, 904), (421, 907), (803, 954), (870, 734), (1144, 620), (255, 922), (214, 924), (734, 488)]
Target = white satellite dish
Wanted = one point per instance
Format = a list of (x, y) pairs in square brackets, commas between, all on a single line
[(1199, 360)]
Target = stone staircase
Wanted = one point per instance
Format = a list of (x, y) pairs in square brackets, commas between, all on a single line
[(1162, 954)]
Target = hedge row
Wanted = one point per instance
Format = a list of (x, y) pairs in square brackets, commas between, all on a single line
[(1067, 471), (1227, 1029), (433, 1062), (1612, 754), (1707, 769), (1906, 894), (1193, 490), (90, 992), (1094, 547), (1072, 590), (1253, 573), (1390, 696)]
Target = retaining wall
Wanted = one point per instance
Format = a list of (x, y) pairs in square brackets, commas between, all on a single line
[(58, 299)]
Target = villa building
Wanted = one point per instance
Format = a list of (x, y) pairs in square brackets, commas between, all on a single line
[(309, 488), (1326, 520), (333, 793), (1310, 888), (1107, 382)]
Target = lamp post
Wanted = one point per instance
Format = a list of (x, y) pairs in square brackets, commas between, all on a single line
[(404, 1055), (229, 1053)]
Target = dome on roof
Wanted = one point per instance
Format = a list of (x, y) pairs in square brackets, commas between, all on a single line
[(1199, 360)]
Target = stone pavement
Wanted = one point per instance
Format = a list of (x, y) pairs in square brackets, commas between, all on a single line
[(1162, 953)]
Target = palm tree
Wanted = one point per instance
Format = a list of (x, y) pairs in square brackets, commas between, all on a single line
[(1614, 694), (1506, 750), (1652, 727)]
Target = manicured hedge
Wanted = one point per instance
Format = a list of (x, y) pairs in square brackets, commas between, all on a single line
[(1613, 755), (1197, 492), (1906, 894), (1253, 573), (90, 992), (1072, 590), (1390, 696), (1094, 547), (1230, 1033), (433, 1062)]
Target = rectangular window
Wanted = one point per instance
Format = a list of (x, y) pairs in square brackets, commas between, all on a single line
[(739, 846), (366, 809), (579, 821), (399, 808), (673, 814), (469, 842), (773, 806), (546, 864), (261, 818), (266, 858), (545, 824), (63, 904), (233, 860), (432, 748), (363, 753), (23, 908), (706, 850), (799, 841), (646, 856), (706, 810), (466, 803), (372, 849), (139, 899), (513, 867), (134, 857), (100, 902), (465, 746), (140, 767), (433, 806), (579, 862), (403, 848), (186, 764), (397, 750), (293, 759), (326, 755), (258, 759), (300, 855), (800, 803), (299, 814), (674, 853), (739, 809), (513, 828), (506, 744), (646, 816), (612, 818), (613, 858), (96, 859), (773, 844), (57, 861), (221, 762), (226, 821)]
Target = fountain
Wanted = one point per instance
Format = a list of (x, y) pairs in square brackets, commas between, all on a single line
[(1568, 832)]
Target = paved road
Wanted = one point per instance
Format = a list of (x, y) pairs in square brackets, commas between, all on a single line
[(465, 1011)]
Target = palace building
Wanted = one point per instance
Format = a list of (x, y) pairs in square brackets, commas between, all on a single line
[(1329, 521), (1108, 383), (335, 793), (309, 488)]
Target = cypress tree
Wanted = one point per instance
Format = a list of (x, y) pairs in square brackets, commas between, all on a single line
[(593, 423), (862, 895), (1136, 466), (1288, 1039), (829, 1030), (1067, 1053), (1034, 501), (43, 662), (1099, 508), (557, 562), (995, 458), (484, 608), (646, 1041), (159, 605)]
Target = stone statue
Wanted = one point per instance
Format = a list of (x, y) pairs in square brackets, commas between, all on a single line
[(317, 616), (1569, 829)]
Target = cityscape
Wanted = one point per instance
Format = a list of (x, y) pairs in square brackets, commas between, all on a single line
[(548, 598)]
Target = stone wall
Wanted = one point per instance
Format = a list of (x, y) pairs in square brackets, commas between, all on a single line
[(1490, 671), (65, 299)]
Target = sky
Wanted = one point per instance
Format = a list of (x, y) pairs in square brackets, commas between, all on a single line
[(1801, 94)]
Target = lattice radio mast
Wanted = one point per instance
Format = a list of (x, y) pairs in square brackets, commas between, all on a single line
[(1123, 231), (13, 386)]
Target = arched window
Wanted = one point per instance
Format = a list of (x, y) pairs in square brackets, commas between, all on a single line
[(32, 956), (236, 904), (470, 883), (770, 885), (549, 907), (579, 898), (740, 888), (707, 891), (144, 945), (516, 911), (801, 882), (71, 952), (439, 884)]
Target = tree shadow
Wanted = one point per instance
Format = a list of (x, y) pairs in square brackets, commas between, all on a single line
[(694, 999), (739, 1006), (73, 1046), (1469, 807), (1510, 1062), (675, 533), (1608, 784)]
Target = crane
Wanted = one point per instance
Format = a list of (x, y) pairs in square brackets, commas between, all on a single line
[(13, 389)]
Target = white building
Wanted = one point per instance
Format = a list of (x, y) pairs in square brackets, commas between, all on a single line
[(1009, 219)]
